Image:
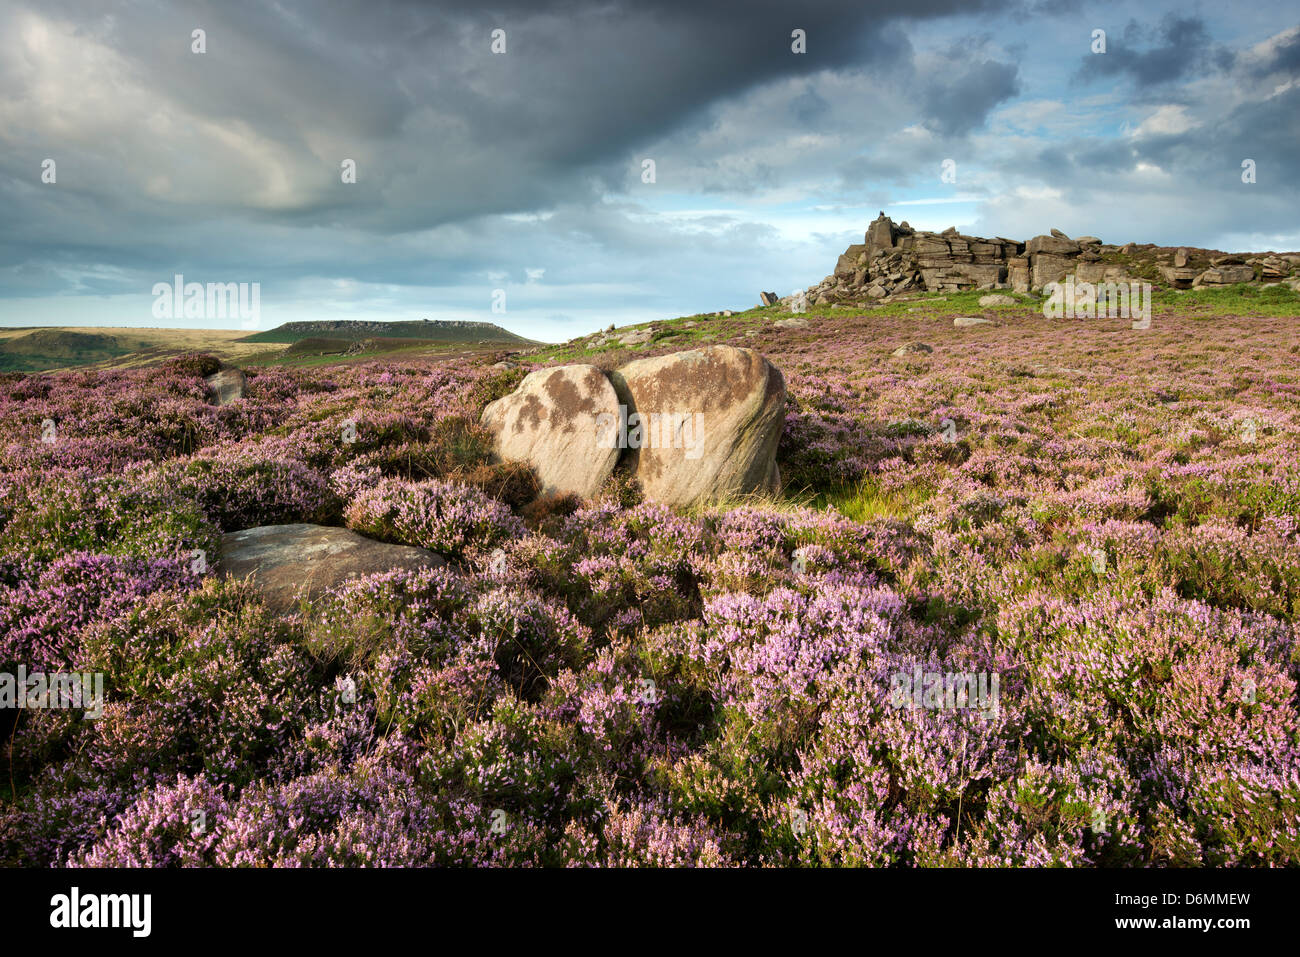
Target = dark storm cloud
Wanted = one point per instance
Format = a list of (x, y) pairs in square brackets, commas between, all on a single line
[(960, 99), (1176, 48), (442, 131)]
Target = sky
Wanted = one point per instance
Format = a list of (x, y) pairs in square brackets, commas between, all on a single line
[(558, 168)]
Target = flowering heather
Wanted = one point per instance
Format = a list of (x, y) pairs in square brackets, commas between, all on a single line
[(1106, 520)]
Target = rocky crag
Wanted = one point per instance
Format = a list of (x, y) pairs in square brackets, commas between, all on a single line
[(895, 259)]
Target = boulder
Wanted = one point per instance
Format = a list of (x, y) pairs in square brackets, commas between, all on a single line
[(1180, 277), (912, 348), (997, 299), (227, 385), (1226, 275), (767, 298), (1054, 244), (711, 420), (553, 421), (286, 562), (1049, 268), (637, 337), (965, 322), (790, 323), (1180, 258)]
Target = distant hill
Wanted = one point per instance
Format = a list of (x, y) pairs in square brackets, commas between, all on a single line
[(53, 348), (429, 330)]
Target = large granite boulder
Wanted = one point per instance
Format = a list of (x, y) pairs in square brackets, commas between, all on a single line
[(710, 422), (287, 562), (557, 421)]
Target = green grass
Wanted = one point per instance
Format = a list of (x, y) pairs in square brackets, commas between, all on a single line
[(867, 500), (1207, 302)]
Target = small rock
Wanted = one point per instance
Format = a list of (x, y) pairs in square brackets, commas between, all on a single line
[(790, 323), (963, 322), (997, 299), (912, 348), (637, 337), (227, 385)]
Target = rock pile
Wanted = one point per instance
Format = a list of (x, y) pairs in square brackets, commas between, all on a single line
[(894, 258)]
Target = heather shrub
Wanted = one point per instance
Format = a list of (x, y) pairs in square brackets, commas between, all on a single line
[(237, 490), (52, 514), (447, 517), (196, 364)]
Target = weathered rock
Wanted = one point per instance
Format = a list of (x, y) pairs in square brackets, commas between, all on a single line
[(848, 260), (767, 298), (997, 299), (964, 322), (1049, 268), (1226, 275), (227, 385), (637, 337), (1180, 258), (287, 562), (729, 406), (790, 323), (1057, 245), (912, 348), (1180, 277), (553, 421)]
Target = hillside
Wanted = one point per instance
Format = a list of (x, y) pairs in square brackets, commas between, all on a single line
[(432, 330), (47, 348)]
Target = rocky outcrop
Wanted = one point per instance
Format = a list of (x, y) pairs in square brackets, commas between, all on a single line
[(553, 422), (894, 259), (227, 385), (289, 562), (715, 415)]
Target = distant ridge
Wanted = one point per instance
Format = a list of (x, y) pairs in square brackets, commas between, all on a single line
[(433, 330)]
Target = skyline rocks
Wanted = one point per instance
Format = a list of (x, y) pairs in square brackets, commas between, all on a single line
[(895, 259)]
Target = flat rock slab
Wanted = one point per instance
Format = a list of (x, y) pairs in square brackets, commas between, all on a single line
[(558, 422), (227, 385), (965, 322), (709, 423), (289, 561)]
